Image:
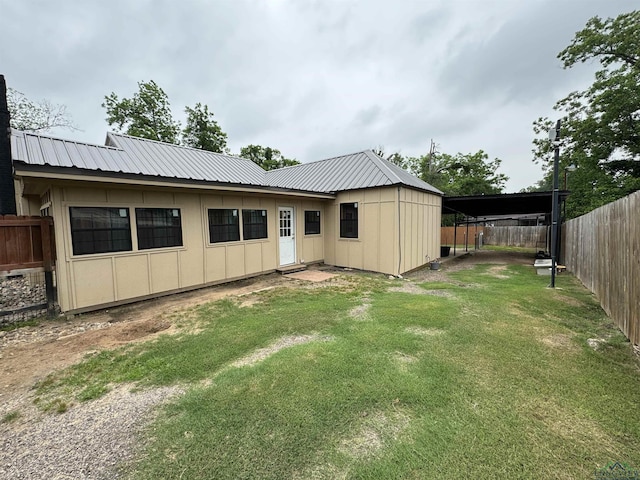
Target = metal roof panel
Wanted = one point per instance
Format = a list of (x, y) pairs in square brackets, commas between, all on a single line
[(131, 155)]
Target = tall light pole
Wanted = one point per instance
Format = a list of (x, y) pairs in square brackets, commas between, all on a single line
[(554, 136)]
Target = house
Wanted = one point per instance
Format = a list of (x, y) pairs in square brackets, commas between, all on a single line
[(136, 218)]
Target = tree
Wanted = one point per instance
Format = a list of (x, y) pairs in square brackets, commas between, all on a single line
[(38, 117), (202, 131), (267, 157), (601, 125), (147, 114), (462, 174)]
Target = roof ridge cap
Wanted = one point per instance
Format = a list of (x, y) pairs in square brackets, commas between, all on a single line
[(186, 147), (24, 134), (330, 158), (381, 163)]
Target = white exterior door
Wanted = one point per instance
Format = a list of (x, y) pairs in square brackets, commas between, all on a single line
[(287, 236)]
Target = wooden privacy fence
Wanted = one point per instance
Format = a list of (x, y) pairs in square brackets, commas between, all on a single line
[(447, 234), (532, 236), (602, 249), (27, 243)]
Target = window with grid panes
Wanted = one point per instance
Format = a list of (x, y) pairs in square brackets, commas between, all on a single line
[(312, 222), (99, 230), (349, 220), (224, 225), (254, 224), (158, 227)]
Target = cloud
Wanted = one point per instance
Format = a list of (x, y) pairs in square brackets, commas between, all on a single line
[(316, 78)]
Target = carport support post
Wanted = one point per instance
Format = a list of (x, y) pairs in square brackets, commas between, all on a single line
[(455, 233), (554, 205)]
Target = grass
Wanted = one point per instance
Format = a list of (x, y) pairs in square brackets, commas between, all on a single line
[(9, 327), (495, 379), (10, 417)]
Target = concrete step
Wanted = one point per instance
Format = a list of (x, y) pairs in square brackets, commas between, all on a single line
[(298, 267)]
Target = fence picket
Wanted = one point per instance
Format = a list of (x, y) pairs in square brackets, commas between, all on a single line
[(603, 251)]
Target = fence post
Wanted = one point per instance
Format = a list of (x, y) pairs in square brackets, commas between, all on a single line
[(47, 259)]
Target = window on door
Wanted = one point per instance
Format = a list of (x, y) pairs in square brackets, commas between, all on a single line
[(348, 220)]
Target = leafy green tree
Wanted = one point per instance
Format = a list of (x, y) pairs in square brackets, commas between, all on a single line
[(202, 131), (268, 158), (147, 114), (463, 174), (38, 117), (600, 131)]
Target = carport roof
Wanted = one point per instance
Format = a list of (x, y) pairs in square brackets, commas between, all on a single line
[(502, 204)]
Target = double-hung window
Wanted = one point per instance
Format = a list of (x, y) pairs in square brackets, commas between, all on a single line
[(224, 225), (158, 227), (254, 224), (348, 220), (100, 230), (312, 222)]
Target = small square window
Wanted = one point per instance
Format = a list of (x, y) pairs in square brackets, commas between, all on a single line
[(348, 220), (312, 222), (158, 228), (254, 224), (100, 230), (223, 225)]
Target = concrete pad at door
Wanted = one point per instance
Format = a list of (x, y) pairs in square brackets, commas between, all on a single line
[(311, 275)]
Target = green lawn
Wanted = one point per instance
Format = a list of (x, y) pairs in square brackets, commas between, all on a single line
[(489, 375)]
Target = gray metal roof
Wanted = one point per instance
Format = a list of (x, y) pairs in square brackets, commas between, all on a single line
[(175, 161), (347, 172), (124, 154), (131, 155), (35, 149)]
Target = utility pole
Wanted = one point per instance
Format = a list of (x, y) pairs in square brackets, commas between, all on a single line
[(554, 136)]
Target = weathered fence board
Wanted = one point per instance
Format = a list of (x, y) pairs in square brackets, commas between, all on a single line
[(20, 242), (602, 248), (447, 234), (531, 236)]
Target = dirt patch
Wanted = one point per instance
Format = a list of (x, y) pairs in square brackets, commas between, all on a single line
[(560, 341), (375, 432), (403, 360), (573, 426), (468, 261), (412, 288), (424, 332), (361, 312), (311, 276), (496, 271), (29, 354), (569, 301), (596, 343), (284, 342)]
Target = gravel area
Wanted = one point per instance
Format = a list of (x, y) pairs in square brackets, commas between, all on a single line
[(56, 330), (20, 292), (92, 440)]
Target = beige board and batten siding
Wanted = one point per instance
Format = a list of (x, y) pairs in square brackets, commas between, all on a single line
[(89, 281), (420, 219), (383, 244)]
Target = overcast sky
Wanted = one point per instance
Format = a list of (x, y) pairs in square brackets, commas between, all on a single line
[(313, 78)]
